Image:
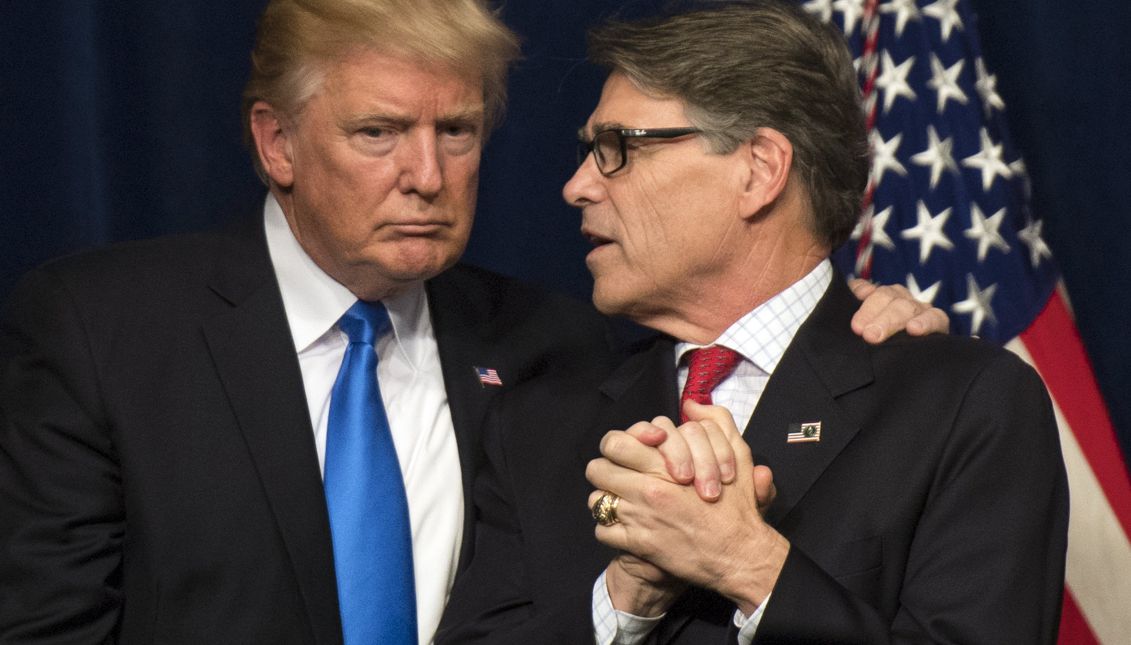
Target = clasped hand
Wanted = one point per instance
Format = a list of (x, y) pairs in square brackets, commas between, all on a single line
[(690, 512)]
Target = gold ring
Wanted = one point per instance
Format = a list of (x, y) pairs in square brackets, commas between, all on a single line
[(605, 509)]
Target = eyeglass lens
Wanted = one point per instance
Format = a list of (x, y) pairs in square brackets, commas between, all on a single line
[(607, 151)]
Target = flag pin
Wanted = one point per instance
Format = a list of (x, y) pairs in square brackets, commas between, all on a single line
[(803, 432), (488, 376)]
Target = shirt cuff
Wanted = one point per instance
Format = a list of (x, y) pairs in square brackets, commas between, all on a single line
[(614, 627), (747, 625)]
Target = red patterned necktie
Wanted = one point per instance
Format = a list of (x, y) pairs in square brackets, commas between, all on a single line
[(706, 368)]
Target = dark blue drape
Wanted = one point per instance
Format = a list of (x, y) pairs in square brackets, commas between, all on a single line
[(119, 120)]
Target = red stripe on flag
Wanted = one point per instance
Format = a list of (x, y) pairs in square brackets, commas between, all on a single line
[(1074, 629), (1054, 343)]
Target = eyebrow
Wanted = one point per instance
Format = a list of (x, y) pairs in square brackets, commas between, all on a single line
[(471, 114), (599, 127)]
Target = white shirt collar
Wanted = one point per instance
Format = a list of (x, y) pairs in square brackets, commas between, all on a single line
[(314, 301), (762, 335)]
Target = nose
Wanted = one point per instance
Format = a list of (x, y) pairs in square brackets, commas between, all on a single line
[(587, 185), (422, 169)]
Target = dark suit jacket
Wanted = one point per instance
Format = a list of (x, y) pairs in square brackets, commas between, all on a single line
[(933, 509), (158, 476)]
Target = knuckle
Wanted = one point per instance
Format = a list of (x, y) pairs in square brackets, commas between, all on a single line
[(741, 449), (654, 494), (638, 428), (692, 429), (591, 469), (612, 442)]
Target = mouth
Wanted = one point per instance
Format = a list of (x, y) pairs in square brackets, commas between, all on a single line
[(594, 239), (416, 228)]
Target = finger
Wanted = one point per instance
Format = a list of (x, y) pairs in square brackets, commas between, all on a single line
[(628, 484), (707, 475), (724, 419), (861, 288), (870, 308), (931, 321), (724, 451), (623, 449), (649, 434), (716, 413), (678, 462), (886, 312), (764, 489)]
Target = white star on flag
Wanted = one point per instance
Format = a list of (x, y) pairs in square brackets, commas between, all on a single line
[(986, 231), (884, 157), (946, 13), (937, 156), (922, 295), (988, 160), (820, 8), (877, 224), (852, 10), (904, 10), (944, 81), (1031, 236), (977, 304), (986, 84), (893, 80), (929, 232)]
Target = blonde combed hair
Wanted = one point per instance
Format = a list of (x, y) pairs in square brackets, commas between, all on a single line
[(298, 39)]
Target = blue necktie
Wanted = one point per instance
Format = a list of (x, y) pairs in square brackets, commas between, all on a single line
[(365, 495)]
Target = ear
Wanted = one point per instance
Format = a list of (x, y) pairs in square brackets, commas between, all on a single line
[(769, 159), (272, 143)]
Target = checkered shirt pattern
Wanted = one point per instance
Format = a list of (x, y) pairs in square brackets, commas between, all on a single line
[(761, 337)]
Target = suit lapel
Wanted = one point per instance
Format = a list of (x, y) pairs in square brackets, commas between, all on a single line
[(255, 358), (643, 387), (825, 361), (462, 323)]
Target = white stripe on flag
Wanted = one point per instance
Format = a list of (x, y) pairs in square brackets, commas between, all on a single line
[(1099, 553)]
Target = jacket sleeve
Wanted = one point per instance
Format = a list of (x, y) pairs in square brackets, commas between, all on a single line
[(62, 525)]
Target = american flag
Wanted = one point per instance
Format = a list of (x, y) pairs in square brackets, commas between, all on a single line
[(488, 376), (947, 214)]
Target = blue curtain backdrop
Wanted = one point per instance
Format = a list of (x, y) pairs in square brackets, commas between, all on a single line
[(119, 120)]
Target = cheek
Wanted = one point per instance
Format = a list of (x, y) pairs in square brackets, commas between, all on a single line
[(650, 220), (461, 190)]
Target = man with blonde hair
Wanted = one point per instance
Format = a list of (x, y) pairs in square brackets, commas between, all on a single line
[(267, 435), (171, 407)]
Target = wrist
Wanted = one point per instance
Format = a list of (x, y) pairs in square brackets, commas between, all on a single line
[(634, 595), (749, 584)]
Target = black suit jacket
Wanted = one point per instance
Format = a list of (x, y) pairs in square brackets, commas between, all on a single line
[(158, 475), (933, 508)]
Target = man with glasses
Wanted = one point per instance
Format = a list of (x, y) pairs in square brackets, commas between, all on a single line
[(182, 420), (907, 492)]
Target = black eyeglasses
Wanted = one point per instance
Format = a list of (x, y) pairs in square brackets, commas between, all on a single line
[(610, 150)]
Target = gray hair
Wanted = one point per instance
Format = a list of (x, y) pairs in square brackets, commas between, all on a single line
[(741, 66)]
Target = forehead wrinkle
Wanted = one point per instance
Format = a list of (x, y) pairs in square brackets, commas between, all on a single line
[(404, 117)]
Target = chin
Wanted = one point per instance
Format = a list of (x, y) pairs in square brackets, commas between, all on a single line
[(419, 259), (608, 302)]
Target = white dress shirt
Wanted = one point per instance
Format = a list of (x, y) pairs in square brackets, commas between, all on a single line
[(761, 338), (412, 388)]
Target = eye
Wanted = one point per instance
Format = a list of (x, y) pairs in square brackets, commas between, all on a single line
[(375, 132), (458, 130)]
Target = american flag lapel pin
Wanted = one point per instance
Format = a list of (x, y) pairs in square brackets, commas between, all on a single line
[(803, 432), (488, 376)]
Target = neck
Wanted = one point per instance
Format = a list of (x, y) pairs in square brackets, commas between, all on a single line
[(709, 310)]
